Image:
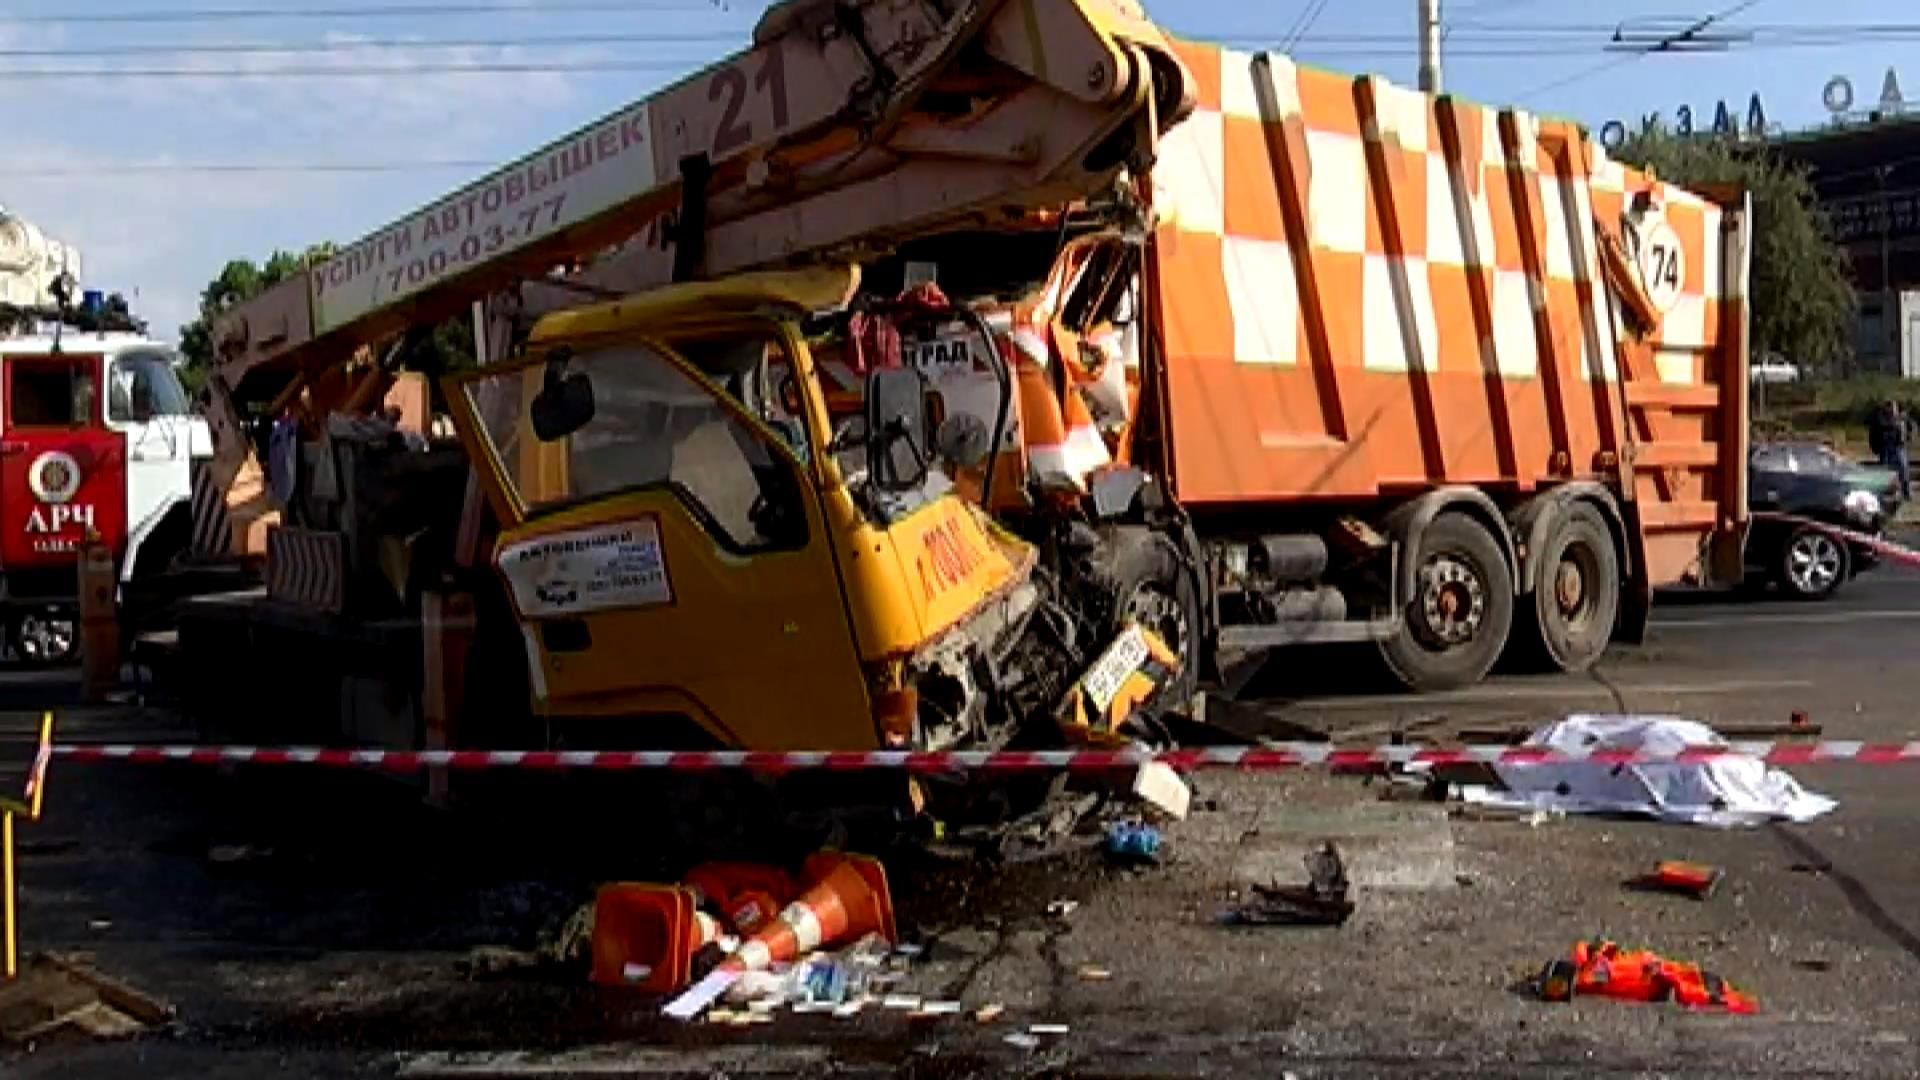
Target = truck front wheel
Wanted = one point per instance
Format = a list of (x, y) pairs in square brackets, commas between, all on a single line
[(1456, 622), (1151, 585)]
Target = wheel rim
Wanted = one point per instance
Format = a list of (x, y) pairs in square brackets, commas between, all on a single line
[(1453, 600), (1573, 593), (1813, 562), (45, 639), (1159, 611)]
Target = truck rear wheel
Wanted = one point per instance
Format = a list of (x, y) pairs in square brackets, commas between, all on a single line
[(1577, 593), (1457, 620)]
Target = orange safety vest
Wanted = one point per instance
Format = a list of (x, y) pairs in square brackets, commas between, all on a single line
[(1603, 968)]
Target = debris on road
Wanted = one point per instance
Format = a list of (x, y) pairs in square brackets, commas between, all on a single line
[(1685, 878), (1724, 790), (1323, 901), (55, 992), (1604, 969), (987, 1014), (1047, 1029), (1060, 909), (847, 899), (1132, 842), (1157, 785)]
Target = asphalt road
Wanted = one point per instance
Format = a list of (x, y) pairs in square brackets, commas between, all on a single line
[(310, 925)]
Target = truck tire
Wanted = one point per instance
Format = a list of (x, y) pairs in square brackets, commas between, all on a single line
[(1151, 584), (1456, 623), (1812, 564), (1576, 592)]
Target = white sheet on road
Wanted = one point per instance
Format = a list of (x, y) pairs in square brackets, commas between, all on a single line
[(1724, 791)]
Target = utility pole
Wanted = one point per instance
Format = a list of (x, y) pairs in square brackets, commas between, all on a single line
[(1429, 46)]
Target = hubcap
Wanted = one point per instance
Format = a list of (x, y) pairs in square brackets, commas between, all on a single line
[(1813, 562), (44, 639), (1453, 600), (1569, 587)]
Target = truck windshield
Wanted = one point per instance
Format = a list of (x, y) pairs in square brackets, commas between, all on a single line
[(652, 425), (144, 386)]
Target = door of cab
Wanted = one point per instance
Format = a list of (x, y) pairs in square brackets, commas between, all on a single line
[(670, 556), (61, 471), (143, 405)]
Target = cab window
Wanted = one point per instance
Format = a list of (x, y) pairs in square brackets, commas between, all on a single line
[(51, 392), (144, 386), (651, 426)]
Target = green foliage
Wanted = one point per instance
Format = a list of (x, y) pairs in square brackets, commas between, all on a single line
[(1803, 302)]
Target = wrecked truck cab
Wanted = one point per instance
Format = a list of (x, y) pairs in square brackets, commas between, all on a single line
[(686, 543)]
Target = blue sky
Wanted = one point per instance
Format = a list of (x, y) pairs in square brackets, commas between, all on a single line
[(165, 233)]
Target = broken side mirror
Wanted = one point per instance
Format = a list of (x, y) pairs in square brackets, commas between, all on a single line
[(897, 427), (564, 404)]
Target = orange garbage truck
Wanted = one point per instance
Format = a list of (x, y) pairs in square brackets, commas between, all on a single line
[(1383, 367), (1006, 397)]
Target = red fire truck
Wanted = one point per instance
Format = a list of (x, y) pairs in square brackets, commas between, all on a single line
[(96, 434)]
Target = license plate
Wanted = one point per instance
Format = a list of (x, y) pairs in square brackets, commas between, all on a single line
[(1122, 658)]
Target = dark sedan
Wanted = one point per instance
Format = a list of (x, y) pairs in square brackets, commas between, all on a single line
[(1812, 482)]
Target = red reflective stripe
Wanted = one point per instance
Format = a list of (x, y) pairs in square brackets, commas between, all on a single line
[(1790, 754)]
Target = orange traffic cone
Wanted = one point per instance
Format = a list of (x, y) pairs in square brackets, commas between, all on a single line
[(645, 936), (848, 900), (747, 895)]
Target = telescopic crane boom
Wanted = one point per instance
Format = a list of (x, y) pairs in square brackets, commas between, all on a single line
[(848, 126)]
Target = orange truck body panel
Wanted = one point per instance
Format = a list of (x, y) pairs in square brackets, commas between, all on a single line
[(1361, 291)]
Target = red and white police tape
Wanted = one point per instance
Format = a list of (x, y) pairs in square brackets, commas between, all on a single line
[(1272, 757)]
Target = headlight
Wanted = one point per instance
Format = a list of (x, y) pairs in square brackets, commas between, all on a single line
[(1862, 506)]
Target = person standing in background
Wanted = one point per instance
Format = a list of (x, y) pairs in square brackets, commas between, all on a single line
[(1887, 435)]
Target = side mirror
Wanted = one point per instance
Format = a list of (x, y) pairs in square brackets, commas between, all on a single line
[(564, 404), (896, 427)]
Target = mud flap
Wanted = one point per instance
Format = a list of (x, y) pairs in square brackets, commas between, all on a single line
[(1636, 610)]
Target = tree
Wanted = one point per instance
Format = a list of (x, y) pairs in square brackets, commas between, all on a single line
[(1802, 300)]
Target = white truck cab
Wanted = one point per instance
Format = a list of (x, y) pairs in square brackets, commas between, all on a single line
[(96, 434)]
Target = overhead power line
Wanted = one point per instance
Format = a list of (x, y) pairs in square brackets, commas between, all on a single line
[(170, 167), (384, 71), (1692, 30), (386, 11), (228, 48)]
